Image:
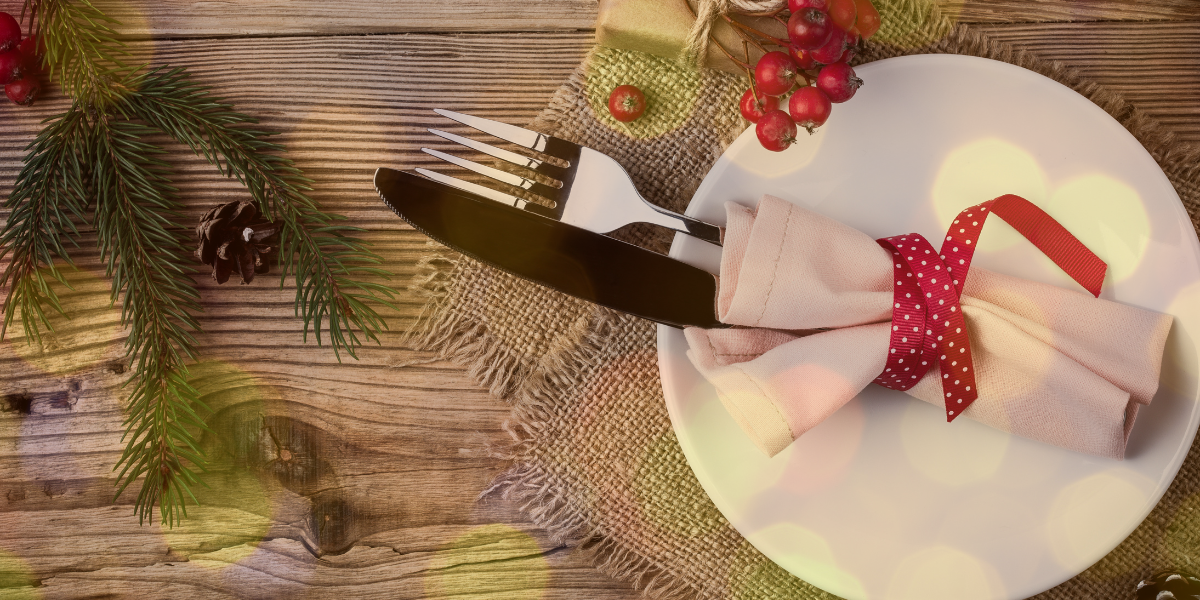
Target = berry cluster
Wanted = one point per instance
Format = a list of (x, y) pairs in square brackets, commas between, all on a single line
[(823, 35), (20, 62)]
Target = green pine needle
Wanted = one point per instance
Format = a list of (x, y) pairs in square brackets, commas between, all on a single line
[(48, 198), (325, 261), (94, 157), (82, 51)]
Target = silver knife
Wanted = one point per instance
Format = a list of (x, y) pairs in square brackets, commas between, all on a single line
[(563, 257)]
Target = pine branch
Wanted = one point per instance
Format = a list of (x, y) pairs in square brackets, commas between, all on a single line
[(95, 150), (50, 194), (144, 250), (329, 266), (82, 50)]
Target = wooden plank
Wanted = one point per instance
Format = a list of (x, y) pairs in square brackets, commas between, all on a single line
[(310, 455), (1017, 11), (193, 18), (318, 457), (1155, 66), (231, 553)]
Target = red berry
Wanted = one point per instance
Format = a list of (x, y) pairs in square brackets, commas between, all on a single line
[(867, 22), (31, 53), (776, 131), (802, 57), (809, 107), (626, 103), (22, 91), (10, 66), (799, 5), (844, 13), (754, 108), (809, 28), (852, 45), (10, 32), (775, 73), (832, 50), (838, 82)]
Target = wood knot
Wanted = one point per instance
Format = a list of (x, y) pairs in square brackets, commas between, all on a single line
[(18, 403), (333, 523)]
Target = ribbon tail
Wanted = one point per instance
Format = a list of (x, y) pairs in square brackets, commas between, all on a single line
[(1049, 236)]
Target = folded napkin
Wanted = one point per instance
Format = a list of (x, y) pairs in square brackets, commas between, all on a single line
[(815, 300)]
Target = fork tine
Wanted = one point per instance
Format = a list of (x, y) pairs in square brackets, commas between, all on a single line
[(510, 133), (502, 176), (473, 188), (491, 194), (500, 153)]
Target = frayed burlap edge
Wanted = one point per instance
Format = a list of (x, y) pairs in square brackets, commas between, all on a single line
[(536, 491), (533, 386), (540, 383)]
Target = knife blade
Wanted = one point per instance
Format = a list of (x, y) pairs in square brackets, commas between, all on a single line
[(563, 257)]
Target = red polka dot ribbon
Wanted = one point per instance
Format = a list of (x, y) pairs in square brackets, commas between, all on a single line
[(927, 320)]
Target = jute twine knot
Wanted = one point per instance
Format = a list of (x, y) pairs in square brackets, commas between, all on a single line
[(707, 13)]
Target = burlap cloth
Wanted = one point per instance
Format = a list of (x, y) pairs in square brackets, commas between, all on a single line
[(593, 457)]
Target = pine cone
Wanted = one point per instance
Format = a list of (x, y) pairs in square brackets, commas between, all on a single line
[(232, 237), (1169, 586)]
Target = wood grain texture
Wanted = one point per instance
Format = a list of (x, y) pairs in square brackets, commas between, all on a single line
[(311, 456), (194, 18), (1156, 66), (1035, 11), (355, 479)]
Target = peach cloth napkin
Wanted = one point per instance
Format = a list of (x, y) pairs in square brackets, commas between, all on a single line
[(1052, 364)]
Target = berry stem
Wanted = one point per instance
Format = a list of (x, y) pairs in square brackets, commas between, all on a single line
[(744, 65), (767, 13), (765, 36)]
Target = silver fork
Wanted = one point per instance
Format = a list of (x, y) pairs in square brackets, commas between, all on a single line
[(594, 192)]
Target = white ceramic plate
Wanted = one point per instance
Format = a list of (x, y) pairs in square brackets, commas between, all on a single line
[(870, 504)]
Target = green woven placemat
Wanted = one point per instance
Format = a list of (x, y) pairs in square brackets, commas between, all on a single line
[(594, 459)]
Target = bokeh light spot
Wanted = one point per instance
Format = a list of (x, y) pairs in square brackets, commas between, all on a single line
[(1181, 363), (753, 158), (88, 333), (16, 578), (1089, 516), (237, 504), (980, 171), (491, 561), (1182, 544), (235, 531), (661, 479), (753, 577), (670, 87), (953, 454), (821, 457), (944, 573), (812, 556), (1108, 217), (916, 24)]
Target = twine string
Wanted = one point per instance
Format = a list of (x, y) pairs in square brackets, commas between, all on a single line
[(707, 13)]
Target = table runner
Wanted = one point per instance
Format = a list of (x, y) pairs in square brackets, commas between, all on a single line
[(593, 458)]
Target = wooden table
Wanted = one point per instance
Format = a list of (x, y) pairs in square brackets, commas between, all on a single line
[(362, 478)]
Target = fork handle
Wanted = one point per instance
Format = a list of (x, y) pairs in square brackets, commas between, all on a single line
[(693, 227)]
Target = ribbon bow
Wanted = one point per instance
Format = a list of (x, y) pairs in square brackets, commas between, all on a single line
[(927, 321)]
